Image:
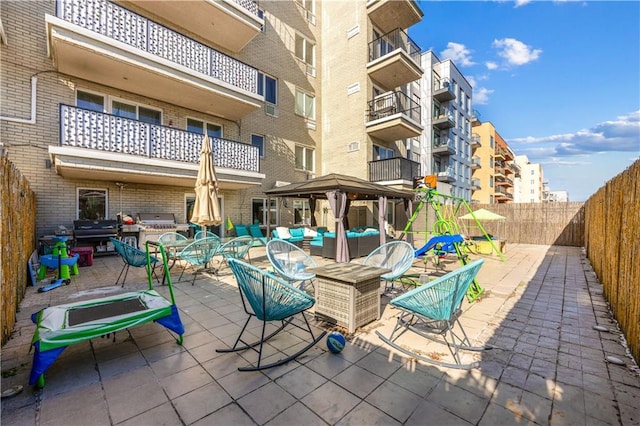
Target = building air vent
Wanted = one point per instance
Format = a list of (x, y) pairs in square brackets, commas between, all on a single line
[(353, 146)]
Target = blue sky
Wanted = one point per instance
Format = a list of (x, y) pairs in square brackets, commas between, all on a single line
[(560, 80)]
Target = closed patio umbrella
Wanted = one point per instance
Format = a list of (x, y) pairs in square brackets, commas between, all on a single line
[(206, 210)]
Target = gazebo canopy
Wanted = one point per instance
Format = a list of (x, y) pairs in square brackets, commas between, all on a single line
[(357, 189), (339, 191)]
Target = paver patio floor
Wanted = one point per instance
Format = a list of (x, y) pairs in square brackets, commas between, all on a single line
[(538, 310)]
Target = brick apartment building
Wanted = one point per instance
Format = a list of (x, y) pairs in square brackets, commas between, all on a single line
[(105, 103)]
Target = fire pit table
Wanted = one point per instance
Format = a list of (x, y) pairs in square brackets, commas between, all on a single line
[(347, 294)]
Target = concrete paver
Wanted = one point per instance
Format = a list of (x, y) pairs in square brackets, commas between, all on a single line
[(539, 311)]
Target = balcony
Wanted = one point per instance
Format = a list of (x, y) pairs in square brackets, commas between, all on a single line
[(443, 90), (475, 184), (394, 171), (105, 43), (446, 175), (443, 145), (475, 163), (230, 24), (114, 148), (394, 60), (390, 14), (475, 141), (443, 119), (393, 116)]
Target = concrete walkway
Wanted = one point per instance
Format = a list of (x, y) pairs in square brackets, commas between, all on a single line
[(539, 311)]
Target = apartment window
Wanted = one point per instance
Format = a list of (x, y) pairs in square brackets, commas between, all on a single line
[(136, 112), (91, 101), (532, 172), (382, 153), (259, 211), (305, 105), (268, 87), (305, 51), (119, 107), (304, 158), (198, 126), (490, 181), (533, 181), (301, 212), (309, 9), (491, 141), (491, 162), (258, 140), (92, 203)]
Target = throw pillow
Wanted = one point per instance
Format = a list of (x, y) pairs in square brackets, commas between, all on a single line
[(283, 232)]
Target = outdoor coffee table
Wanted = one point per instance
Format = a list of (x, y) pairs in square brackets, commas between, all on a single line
[(347, 294)]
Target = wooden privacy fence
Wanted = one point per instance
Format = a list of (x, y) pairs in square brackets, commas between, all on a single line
[(17, 241), (527, 223), (612, 242), (560, 224)]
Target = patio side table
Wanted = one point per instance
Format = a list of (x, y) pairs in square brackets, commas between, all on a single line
[(347, 294)]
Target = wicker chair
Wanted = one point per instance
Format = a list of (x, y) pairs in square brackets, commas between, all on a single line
[(290, 262), (268, 298), (132, 256), (198, 254), (434, 309), (395, 255)]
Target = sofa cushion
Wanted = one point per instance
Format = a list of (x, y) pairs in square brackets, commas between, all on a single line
[(296, 232), (283, 232)]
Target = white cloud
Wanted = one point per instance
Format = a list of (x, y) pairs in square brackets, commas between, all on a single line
[(619, 135), (481, 95), (458, 53), (491, 65), (515, 52), (522, 2)]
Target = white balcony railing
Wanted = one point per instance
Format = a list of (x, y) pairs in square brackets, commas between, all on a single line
[(120, 24), (82, 128)]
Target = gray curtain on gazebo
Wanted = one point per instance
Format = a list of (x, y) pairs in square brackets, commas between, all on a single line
[(338, 202), (382, 214), (312, 208)]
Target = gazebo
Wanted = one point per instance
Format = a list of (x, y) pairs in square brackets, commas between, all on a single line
[(339, 191)]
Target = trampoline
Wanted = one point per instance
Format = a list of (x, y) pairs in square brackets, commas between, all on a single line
[(60, 326)]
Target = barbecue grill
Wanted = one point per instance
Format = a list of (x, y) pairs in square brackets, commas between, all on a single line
[(152, 225)]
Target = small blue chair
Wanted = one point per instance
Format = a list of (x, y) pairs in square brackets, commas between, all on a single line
[(236, 248), (434, 309), (395, 255), (269, 299), (132, 256), (291, 262), (198, 254)]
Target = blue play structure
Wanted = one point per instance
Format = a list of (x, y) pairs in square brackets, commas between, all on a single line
[(441, 245)]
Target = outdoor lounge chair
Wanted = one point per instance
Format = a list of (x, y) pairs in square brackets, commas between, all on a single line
[(434, 309), (395, 255), (291, 262), (132, 256), (269, 298)]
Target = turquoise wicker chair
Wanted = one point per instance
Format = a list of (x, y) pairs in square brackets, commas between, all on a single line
[(236, 248), (171, 237), (290, 262), (395, 255), (434, 309), (268, 298), (204, 234), (132, 256), (198, 254)]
